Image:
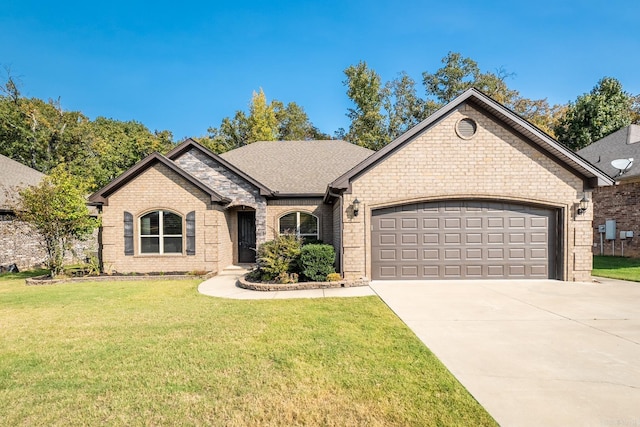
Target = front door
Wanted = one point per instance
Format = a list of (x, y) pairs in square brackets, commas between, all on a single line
[(246, 236)]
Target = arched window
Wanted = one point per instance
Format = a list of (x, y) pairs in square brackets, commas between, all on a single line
[(303, 224), (161, 233)]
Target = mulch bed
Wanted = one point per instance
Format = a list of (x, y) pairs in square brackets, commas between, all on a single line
[(47, 280)]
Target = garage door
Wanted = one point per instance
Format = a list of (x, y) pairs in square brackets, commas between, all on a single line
[(463, 240)]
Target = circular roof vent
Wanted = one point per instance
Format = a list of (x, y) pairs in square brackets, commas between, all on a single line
[(466, 128)]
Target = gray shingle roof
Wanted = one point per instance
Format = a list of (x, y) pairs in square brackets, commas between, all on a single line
[(297, 167), (14, 175), (622, 144)]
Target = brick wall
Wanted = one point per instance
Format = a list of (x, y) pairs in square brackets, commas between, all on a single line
[(494, 164), (622, 204), (160, 188)]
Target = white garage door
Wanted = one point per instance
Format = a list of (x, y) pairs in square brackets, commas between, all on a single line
[(463, 240)]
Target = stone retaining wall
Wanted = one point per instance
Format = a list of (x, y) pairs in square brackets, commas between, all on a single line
[(255, 286)]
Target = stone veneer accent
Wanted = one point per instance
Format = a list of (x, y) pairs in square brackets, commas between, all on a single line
[(494, 164), (228, 184), (621, 203)]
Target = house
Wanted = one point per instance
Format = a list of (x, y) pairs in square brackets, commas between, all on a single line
[(618, 155), (18, 245), (474, 191)]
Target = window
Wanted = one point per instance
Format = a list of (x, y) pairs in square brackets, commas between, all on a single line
[(161, 233), (303, 224)]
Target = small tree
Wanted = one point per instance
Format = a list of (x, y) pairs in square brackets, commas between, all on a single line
[(57, 210)]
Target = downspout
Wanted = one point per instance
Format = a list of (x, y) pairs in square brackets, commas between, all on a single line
[(341, 228), (100, 261)]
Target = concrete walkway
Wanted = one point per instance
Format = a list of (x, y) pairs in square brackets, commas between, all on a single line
[(224, 285), (533, 353)]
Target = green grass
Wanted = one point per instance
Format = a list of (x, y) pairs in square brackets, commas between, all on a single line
[(617, 267), (159, 353)]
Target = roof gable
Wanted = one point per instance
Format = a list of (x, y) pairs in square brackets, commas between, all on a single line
[(529, 132), (101, 196), (190, 143)]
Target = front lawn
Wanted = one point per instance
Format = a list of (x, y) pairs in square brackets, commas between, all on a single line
[(159, 353), (617, 267)]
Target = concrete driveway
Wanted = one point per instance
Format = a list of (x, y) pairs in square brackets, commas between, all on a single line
[(533, 353)]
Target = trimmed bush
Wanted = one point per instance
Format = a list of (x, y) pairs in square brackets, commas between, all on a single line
[(278, 256), (334, 277), (316, 262)]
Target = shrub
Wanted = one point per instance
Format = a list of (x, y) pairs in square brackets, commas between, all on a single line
[(278, 256), (285, 278), (316, 261), (334, 277)]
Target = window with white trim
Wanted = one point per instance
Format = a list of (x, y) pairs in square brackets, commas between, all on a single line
[(302, 224), (161, 233)]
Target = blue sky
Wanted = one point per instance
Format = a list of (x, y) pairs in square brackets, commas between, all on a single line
[(185, 66)]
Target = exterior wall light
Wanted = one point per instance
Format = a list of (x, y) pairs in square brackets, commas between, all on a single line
[(584, 204), (356, 207)]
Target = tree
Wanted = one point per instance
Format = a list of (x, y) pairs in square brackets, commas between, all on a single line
[(404, 107), (263, 124), (595, 115), (43, 135), (364, 88), (113, 146), (57, 210)]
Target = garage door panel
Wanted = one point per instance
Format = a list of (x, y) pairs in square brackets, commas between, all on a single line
[(454, 223), (409, 238), (452, 254), (430, 224), (387, 224), (462, 239), (473, 238), (430, 255), (495, 238), (473, 271), (386, 239), (452, 238), (431, 239), (431, 272), (452, 271), (409, 255)]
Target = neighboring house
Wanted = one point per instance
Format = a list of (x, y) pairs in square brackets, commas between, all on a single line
[(621, 202), (474, 191), (18, 245)]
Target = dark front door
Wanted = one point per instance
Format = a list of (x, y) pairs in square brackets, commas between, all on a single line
[(246, 237)]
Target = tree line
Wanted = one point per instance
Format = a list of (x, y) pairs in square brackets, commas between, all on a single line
[(42, 135)]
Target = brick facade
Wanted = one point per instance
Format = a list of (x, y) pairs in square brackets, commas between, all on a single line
[(156, 188), (494, 164), (620, 203), (279, 207)]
